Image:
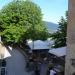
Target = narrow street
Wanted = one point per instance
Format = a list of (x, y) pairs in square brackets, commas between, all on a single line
[(43, 69), (16, 64)]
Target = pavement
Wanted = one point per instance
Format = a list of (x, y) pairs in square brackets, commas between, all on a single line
[(16, 64), (43, 70)]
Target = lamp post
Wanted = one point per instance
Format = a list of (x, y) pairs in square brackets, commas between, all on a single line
[(33, 31), (36, 61)]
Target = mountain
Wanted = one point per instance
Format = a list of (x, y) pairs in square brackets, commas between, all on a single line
[(52, 27)]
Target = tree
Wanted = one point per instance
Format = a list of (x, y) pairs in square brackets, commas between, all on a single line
[(59, 36), (17, 20)]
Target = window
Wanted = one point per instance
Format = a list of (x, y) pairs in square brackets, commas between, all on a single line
[(73, 62), (3, 63), (3, 70), (3, 67)]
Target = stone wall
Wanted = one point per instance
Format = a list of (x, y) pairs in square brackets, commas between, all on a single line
[(70, 58)]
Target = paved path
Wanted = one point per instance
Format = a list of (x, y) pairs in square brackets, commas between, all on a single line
[(43, 69), (16, 63)]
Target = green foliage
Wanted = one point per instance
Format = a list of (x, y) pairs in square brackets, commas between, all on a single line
[(60, 35), (17, 20)]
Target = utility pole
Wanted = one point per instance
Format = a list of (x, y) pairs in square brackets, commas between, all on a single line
[(33, 31), (36, 62)]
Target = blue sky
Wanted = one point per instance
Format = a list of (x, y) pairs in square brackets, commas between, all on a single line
[(52, 9)]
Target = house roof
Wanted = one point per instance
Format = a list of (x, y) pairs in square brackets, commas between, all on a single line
[(58, 51), (38, 45), (49, 42)]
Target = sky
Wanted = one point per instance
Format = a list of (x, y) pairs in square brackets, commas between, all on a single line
[(52, 10)]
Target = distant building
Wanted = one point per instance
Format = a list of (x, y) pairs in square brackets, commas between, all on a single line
[(38, 45), (39, 49), (57, 56), (59, 52)]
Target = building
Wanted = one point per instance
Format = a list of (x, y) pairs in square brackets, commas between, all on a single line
[(38, 45), (4, 53), (59, 52), (70, 57), (58, 55), (38, 49)]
